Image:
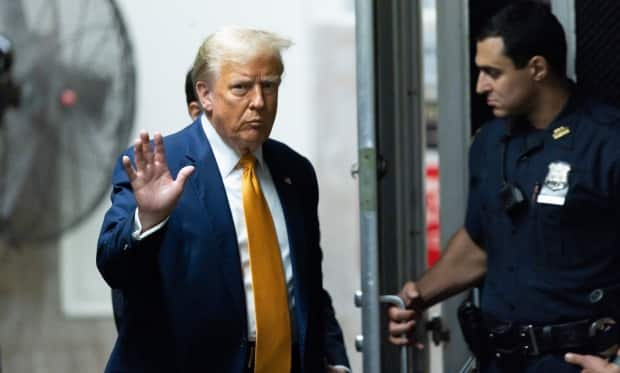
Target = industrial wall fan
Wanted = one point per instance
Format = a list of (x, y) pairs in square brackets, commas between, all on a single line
[(67, 96)]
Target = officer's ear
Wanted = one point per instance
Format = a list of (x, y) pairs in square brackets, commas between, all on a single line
[(539, 68)]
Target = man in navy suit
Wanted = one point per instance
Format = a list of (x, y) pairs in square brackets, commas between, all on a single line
[(178, 248)]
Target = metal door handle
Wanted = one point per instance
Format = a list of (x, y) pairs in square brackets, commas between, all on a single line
[(395, 300)]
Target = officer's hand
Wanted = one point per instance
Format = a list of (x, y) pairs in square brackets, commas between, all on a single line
[(402, 322), (593, 364), (155, 190)]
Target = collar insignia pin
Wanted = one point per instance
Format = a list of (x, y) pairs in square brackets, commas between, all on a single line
[(560, 132), (288, 180)]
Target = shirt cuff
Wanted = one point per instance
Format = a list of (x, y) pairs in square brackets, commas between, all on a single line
[(137, 228), (346, 369)]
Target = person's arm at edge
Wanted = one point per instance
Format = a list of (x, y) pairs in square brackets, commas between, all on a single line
[(463, 265)]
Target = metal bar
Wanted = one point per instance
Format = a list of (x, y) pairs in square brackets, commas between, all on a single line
[(412, 210), (364, 36), (404, 353), (454, 128), (469, 365), (364, 28)]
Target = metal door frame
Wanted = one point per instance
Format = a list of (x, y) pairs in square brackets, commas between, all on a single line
[(454, 133), (369, 342), (391, 140)]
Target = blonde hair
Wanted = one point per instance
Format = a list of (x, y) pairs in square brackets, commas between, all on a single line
[(237, 45)]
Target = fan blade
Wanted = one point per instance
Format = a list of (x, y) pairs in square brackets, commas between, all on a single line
[(18, 139), (14, 18)]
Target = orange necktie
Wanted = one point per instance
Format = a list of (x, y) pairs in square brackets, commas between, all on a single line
[(273, 327)]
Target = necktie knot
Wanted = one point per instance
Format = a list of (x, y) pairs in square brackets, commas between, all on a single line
[(248, 161)]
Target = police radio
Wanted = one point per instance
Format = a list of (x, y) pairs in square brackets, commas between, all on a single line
[(511, 195)]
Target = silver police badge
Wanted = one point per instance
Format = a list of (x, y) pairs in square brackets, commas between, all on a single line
[(555, 187)]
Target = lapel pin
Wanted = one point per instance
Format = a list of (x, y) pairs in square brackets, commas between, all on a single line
[(288, 180), (560, 132)]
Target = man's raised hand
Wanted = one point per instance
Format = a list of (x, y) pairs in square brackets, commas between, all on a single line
[(155, 190)]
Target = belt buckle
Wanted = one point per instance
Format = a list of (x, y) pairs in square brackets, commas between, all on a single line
[(528, 333), (525, 344), (599, 326)]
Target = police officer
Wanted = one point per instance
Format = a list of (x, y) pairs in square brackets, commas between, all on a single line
[(541, 231)]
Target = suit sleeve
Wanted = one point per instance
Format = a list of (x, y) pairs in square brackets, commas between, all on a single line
[(119, 257), (335, 351)]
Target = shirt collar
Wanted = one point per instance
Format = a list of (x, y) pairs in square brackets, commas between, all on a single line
[(567, 117), (226, 157)]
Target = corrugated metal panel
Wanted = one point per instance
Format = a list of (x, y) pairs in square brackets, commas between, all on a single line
[(598, 48)]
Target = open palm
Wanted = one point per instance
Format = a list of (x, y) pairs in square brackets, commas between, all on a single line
[(155, 191)]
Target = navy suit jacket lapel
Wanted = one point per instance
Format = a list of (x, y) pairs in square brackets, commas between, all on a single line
[(207, 182), (283, 179)]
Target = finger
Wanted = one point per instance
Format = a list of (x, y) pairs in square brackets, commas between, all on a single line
[(399, 341), (404, 341), (397, 329), (131, 173), (573, 358), (138, 155), (409, 293), (397, 314), (183, 174), (146, 147), (586, 361), (160, 155), (410, 290)]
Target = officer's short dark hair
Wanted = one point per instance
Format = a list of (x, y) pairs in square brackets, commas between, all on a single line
[(190, 94), (529, 29)]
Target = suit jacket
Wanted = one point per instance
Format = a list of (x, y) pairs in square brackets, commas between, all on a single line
[(183, 297)]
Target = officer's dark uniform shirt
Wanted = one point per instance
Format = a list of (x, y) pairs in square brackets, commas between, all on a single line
[(544, 260)]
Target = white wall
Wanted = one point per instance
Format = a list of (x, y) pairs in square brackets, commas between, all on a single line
[(167, 37)]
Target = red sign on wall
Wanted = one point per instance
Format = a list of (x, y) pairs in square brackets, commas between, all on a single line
[(432, 210)]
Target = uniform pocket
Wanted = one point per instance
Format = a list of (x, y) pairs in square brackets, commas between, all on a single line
[(550, 235), (577, 234), (592, 228)]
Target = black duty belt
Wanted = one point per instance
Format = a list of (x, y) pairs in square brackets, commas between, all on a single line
[(594, 336)]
